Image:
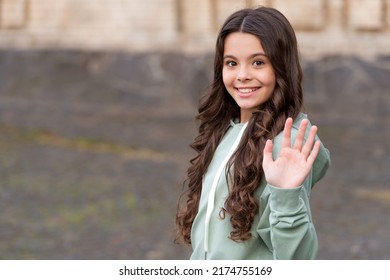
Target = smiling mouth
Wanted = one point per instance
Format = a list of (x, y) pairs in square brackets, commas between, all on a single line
[(247, 90), (243, 92)]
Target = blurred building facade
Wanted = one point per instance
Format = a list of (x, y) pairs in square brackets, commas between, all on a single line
[(324, 27), (97, 106)]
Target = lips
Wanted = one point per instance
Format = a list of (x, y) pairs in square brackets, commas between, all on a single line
[(246, 92)]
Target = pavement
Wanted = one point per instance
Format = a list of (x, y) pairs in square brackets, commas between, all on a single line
[(94, 148)]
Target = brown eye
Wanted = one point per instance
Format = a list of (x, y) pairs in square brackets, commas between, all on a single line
[(230, 63), (258, 63)]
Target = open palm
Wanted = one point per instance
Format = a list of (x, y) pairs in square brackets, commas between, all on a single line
[(295, 160)]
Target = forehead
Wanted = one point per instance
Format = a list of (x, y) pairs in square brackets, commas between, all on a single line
[(242, 43)]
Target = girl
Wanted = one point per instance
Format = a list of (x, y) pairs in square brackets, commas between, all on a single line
[(248, 196)]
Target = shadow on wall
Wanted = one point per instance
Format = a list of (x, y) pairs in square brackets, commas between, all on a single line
[(94, 148)]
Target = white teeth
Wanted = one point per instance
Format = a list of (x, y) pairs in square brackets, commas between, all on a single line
[(246, 90)]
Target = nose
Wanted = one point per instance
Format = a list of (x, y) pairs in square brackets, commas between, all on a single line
[(243, 74)]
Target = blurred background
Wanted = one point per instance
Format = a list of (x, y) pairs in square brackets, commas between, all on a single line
[(97, 106)]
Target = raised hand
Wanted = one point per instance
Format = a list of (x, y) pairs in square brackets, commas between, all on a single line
[(295, 160)]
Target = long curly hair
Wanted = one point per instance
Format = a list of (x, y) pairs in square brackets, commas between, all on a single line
[(217, 108)]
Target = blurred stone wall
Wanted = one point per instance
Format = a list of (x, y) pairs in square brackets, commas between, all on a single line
[(324, 27)]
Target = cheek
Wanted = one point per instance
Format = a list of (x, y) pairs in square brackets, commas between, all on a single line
[(227, 77), (272, 83), (269, 84), (270, 79)]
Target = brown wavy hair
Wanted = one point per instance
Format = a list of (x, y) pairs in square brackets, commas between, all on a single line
[(217, 108)]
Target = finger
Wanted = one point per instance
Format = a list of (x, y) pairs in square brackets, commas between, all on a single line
[(286, 141), (314, 152), (308, 146), (300, 135), (267, 152)]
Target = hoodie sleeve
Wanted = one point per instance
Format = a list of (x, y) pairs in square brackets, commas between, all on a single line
[(292, 233), (286, 223)]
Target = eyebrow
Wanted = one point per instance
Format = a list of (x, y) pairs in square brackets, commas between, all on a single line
[(250, 57)]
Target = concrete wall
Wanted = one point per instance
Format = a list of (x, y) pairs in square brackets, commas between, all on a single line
[(324, 27)]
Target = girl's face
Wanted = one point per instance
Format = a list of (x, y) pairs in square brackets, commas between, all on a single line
[(247, 72)]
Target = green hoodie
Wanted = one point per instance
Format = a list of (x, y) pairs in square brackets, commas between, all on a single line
[(283, 229)]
